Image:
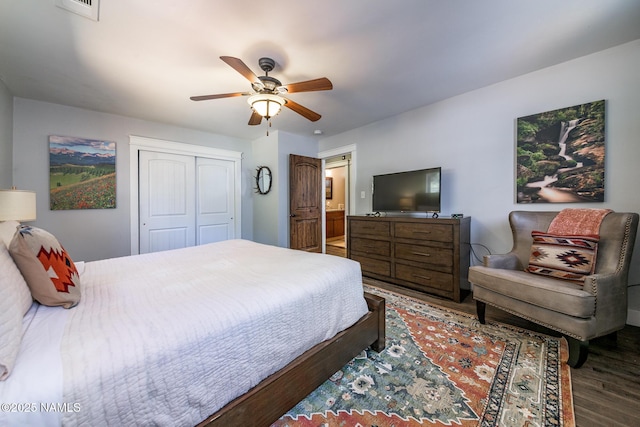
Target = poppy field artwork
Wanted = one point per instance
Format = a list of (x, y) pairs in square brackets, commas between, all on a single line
[(82, 173)]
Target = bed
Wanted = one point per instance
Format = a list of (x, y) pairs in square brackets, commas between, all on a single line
[(230, 333)]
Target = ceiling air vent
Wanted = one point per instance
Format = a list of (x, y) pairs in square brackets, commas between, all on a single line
[(86, 8)]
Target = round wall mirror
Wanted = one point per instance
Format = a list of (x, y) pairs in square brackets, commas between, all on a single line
[(263, 180)]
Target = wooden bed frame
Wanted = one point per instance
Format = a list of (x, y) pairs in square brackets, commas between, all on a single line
[(274, 396)]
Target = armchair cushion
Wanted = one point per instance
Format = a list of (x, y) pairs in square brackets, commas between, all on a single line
[(563, 257), (561, 296)]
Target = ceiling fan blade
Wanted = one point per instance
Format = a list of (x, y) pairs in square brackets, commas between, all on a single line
[(240, 67), (255, 119), (218, 96), (303, 111), (322, 83)]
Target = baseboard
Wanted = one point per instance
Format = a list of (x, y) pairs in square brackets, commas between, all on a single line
[(633, 317)]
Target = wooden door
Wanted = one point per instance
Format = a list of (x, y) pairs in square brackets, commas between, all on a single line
[(167, 201), (305, 203), (215, 200)]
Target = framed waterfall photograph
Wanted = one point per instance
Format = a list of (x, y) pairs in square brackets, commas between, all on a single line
[(560, 155), (82, 173)]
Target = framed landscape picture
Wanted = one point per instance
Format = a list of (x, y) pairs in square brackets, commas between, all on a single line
[(82, 173), (560, 155)]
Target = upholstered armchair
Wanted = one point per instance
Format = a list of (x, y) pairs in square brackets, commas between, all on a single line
[(579, 310)]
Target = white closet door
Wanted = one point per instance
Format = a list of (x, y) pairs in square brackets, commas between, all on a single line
[(167, 201), (215, 200)]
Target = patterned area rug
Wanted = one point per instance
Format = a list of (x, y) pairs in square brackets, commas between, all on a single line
[(442, 367)]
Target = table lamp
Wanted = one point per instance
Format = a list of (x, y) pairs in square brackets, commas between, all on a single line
[(17, 205)]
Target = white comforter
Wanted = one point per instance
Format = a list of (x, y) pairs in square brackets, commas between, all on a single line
[(169, 338)]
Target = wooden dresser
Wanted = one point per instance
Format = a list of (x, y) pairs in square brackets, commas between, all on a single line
[(425, 254)]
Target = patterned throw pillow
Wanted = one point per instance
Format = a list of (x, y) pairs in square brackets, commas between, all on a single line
[(563, 257), (49, 271)]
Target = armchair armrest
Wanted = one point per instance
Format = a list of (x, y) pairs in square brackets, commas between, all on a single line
[(509, 261), (610, 291), (604, 285)]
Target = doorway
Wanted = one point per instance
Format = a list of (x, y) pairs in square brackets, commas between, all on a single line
[(337, 176)]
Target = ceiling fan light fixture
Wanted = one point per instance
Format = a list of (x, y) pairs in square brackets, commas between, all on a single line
[(265, 104)]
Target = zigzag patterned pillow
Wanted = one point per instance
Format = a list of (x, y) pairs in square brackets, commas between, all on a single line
[(48, 269), (563, 257)]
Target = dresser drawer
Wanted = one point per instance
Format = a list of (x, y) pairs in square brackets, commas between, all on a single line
[(370, 228), (425, 254), (375, 266), (425, 277), (416, 230), (370, 246)]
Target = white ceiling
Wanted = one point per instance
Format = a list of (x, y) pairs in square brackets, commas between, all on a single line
[(144, 59)]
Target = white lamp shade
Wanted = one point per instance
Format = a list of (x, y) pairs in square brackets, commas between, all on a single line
[(17, 205), (265, 104)]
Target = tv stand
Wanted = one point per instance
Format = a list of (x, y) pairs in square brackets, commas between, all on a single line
[(426, 254)]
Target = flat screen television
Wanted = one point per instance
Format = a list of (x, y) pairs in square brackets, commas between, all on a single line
[(411, 191)]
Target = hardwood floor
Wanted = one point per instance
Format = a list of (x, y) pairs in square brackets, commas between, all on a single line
[(606, 389), (336, 249)]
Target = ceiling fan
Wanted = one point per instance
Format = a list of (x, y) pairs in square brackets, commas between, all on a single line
[(267, 97)]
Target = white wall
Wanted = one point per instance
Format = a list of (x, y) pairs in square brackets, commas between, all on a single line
[(6, 137), (100, 233), (266, 206), (338, 190), (472, 137)]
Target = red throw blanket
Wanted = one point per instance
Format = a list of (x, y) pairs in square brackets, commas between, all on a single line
[(583, 222)]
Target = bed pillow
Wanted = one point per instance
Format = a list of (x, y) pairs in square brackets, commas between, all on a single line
[(563, 257), (48, 269), (15, 300), (7, 231)]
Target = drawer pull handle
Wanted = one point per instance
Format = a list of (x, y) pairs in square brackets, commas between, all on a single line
[(420, 253), (417, 276)]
